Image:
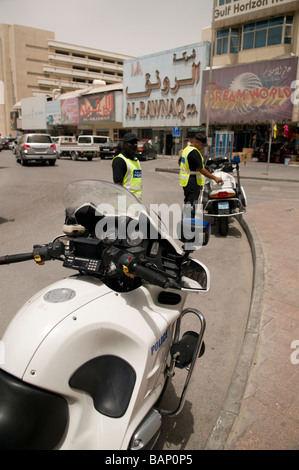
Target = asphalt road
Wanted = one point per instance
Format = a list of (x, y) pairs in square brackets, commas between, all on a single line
[(31, 212)]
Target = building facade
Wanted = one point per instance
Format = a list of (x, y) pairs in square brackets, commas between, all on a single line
[(162, 95), (32, 64), (251, 88)]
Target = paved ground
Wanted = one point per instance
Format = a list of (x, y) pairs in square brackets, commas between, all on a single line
[(261, 409)]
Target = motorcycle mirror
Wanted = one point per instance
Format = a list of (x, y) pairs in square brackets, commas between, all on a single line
[(195, 276)]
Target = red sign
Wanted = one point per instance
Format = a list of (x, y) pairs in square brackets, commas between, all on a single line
[(96, 108)]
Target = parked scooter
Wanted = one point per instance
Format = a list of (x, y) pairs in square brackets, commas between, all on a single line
[(88, 359), (223, 201)]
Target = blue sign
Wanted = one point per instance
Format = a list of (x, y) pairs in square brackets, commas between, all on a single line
[(176, 131)]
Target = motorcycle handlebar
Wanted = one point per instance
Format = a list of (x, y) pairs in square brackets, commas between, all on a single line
[(18, 258), (40, 254), (148, 275), (131, 264)]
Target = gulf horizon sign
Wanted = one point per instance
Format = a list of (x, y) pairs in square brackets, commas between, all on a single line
[(257, 93), (241, 7)]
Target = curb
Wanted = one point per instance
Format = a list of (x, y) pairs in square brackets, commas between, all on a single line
[(233, 400), (262, 177)]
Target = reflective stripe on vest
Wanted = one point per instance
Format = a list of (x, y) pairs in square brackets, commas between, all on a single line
[(185, 169), (132, 178)]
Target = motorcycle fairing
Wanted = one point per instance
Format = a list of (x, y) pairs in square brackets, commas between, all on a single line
[(30, 418), (95, 322), (109, 380)]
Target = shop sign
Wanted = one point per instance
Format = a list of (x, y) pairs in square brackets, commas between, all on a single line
[(241, 7), (250, 93), (96, 108), (34, 112), (69, 111), (53, 113), (164, 89)]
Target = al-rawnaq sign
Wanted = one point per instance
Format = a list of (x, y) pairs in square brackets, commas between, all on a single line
[(164, 89), (260, 92)]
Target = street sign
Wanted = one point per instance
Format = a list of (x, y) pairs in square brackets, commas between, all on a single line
[(176, 131)]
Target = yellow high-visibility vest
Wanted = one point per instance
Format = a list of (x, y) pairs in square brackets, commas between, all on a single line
[(185, 169), (132, 179)]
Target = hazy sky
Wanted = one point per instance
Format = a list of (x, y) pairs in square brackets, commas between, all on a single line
[(132, 27)]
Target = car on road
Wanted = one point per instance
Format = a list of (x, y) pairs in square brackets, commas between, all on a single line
[(110, 149), (6, 143), (146, 151), (36, 147)]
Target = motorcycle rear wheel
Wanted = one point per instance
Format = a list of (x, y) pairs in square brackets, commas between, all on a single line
[(223, 226)]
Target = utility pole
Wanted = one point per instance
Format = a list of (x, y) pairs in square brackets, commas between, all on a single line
[(211, 70)]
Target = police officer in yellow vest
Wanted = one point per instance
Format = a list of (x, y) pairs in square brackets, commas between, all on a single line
[(126, 167), (192, 171)]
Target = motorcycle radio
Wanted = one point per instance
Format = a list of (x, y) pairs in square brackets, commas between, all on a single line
[(85, 254)]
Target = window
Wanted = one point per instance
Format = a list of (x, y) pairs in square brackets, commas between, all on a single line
[(39, 139), (234, 40), (224, 2), (269, 32), (288, 30), (228, 41), (222, 41)]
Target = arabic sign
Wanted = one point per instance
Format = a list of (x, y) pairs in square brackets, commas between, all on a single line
[(96, 108), (164, 89), (260, 92), (242, 7)]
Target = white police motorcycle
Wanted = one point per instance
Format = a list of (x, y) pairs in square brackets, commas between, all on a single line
[(88, 359), (227, 200)]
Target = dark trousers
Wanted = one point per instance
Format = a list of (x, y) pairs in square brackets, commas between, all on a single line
[(191, 194)]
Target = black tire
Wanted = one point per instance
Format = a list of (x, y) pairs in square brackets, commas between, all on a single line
[(52, 162), (24, 162), (89, 159), (223, 226)]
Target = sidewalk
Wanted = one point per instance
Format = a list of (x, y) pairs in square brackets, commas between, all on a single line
[(261, 409)]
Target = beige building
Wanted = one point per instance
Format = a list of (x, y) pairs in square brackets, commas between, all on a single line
[(250, 31), (32, 63), (253, 84)]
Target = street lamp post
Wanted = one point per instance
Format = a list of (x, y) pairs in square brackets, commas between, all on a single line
[(210, 71)]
